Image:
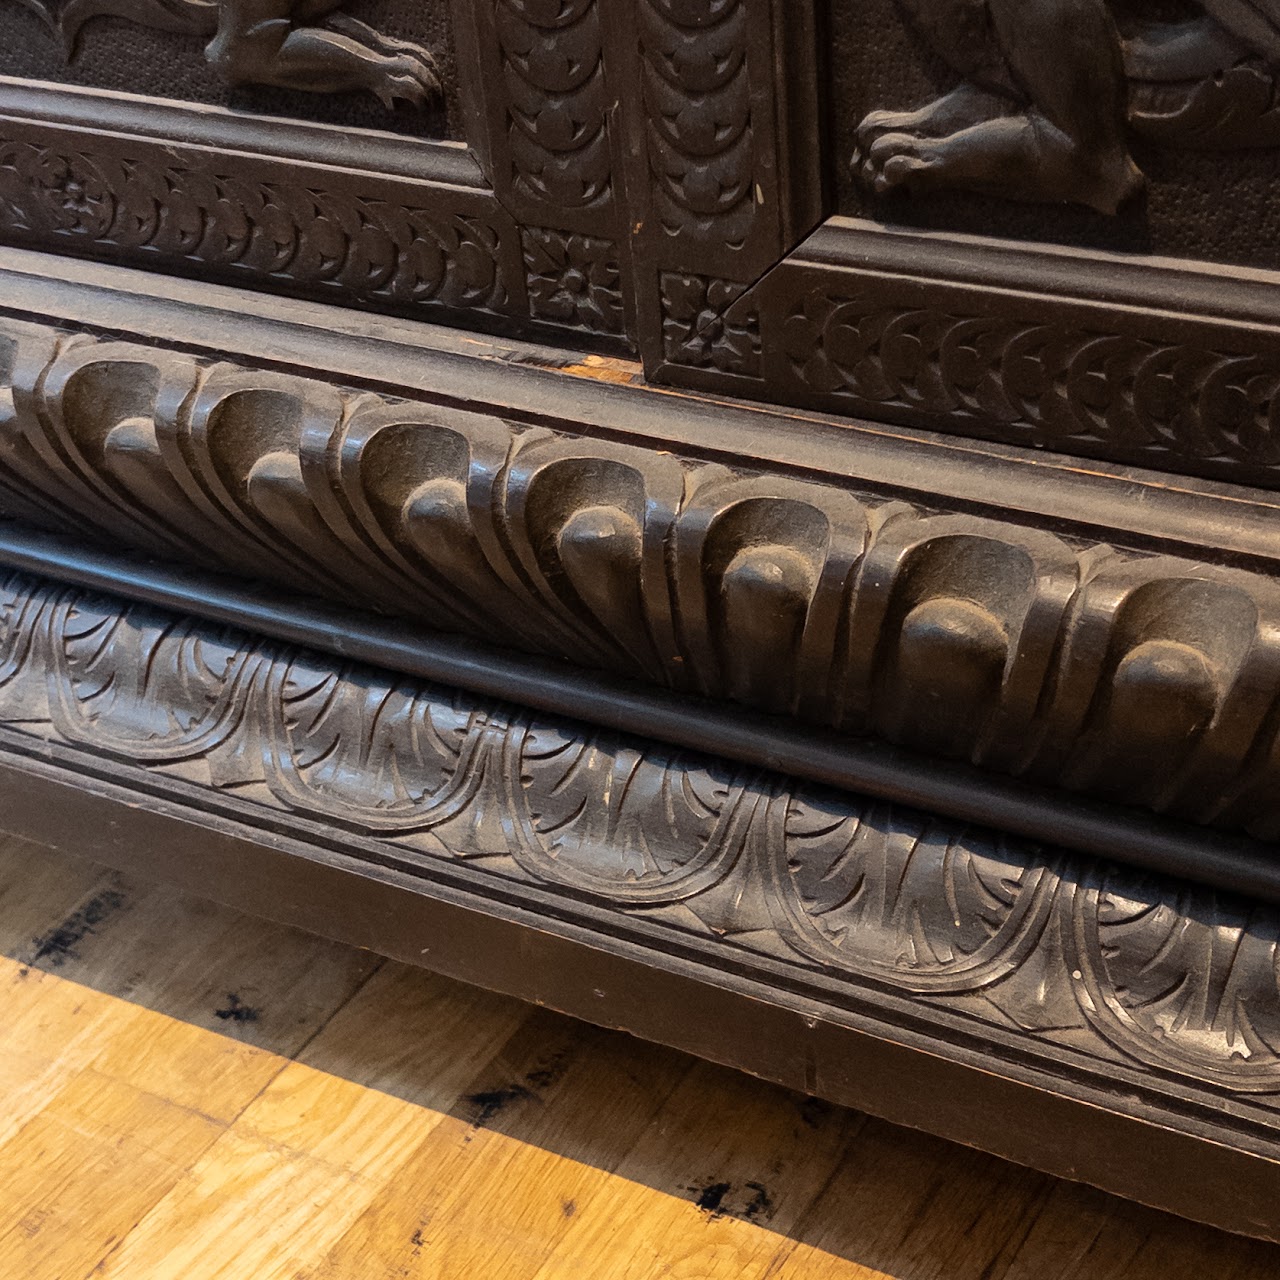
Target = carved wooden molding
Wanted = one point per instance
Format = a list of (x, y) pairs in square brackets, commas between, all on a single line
[(326, 233), (1149, 678), (1161, 365), (375, 220), (716, 194), (642, 171), (1076, 963), (1051, 1009), (645, 175)]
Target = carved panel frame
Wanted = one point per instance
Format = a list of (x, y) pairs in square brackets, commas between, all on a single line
[(516, 228), (647, 173), (1164, 363)]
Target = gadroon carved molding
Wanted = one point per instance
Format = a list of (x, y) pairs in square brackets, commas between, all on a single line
[(1149, 678), (1071, 959), (1050, 88)]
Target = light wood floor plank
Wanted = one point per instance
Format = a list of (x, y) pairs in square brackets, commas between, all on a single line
[(528, 1150), (306, 1157), (188, 1093), (727, 1166)]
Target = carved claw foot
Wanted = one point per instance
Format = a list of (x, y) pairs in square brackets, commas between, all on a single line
[(1014, 156), (343, 56), (964, 106), (399, 70), (404, 78)]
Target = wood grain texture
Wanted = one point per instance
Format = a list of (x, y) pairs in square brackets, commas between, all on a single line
[(190, 1092)]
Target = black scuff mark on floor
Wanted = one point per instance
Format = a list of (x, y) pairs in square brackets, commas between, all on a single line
[(59, 944), (237, 1011), (749, 1202), (710, 1199), (759, 1208), (489, 1104), (549, 1073)]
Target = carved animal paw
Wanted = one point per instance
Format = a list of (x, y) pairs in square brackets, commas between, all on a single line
[(964, 106), (1019, 156), (402, 71), (878, 123), (405, 77), (894, 160)]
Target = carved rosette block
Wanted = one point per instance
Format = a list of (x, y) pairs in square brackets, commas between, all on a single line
[(573, 280)]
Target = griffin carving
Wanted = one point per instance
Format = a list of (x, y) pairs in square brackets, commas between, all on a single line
[(286, 44), (1051, 90)]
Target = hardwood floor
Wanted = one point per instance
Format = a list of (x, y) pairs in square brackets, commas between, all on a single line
[(191, 1093)]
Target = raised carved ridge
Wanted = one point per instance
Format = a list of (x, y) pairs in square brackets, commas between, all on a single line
[(1146, 678), (1065, 957)]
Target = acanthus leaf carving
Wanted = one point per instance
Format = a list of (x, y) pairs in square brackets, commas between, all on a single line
[(1067, 953)]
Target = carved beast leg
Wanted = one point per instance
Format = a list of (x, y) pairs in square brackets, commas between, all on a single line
[(965, 105), (1065, 143), (1018, 156), (258, 43)]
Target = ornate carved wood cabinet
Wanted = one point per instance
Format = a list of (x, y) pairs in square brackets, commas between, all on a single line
[(751, 521)]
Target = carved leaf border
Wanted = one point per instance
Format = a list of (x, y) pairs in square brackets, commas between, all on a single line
[(1068, 952)]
